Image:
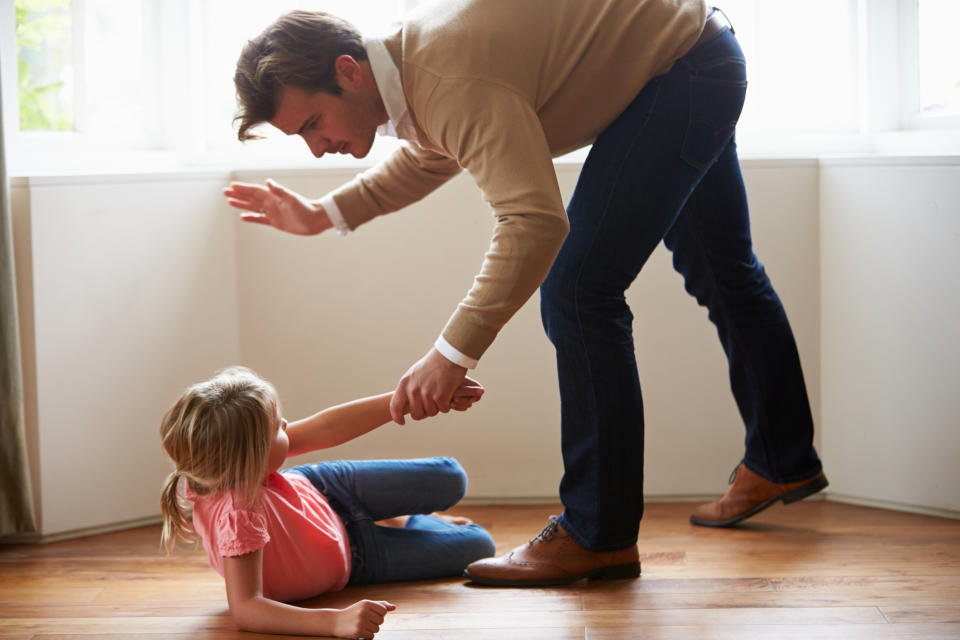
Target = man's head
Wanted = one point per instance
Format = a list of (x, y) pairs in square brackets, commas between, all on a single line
[(306, 50)]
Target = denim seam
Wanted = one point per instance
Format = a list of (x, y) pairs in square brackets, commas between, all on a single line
[(751, 374), (576, 301)]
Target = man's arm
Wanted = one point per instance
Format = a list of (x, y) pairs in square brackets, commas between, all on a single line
[(252, 611), (504, 148), (406, 176)]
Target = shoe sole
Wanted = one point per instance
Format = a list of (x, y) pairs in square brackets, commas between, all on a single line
[(616, 572), (794, 495)]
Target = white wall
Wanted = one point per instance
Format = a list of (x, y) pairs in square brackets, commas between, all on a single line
[(131, 288), (890, 248), (127, 293)]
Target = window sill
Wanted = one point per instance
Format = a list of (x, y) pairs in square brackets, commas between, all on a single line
[(251, 162)]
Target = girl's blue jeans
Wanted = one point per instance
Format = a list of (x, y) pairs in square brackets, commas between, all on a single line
[(362, 492), (666, 170)]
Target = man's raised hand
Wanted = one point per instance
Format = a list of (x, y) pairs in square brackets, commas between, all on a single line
[(275, 205)]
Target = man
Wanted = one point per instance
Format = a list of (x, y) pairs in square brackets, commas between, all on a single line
[(499, 87)]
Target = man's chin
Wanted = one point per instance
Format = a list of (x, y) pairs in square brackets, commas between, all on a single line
[(362, 152)]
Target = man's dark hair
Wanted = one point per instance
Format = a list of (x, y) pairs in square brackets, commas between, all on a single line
[(297, 50)]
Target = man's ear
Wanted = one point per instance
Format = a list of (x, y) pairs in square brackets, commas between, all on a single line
[(349, 73)]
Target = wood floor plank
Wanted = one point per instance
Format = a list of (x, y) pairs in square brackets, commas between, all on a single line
[(49, 593), (545, 633), (456, 597), (945, 612), (637, 618), (631, 599), (784, 632)]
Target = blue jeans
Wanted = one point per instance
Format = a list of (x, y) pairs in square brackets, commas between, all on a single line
[(362, 492), (666, 169)]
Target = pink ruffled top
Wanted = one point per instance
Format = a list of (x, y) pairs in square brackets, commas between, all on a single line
[(305, 547)]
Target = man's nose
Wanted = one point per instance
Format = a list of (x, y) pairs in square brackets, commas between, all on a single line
[(317, 146)]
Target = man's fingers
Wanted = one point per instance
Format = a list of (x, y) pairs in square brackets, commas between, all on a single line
[(416, 408), (278, 189), (259, 218), (242, 203)]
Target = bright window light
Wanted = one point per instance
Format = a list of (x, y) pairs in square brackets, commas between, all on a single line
[(116, 91), (939, 57), (801, 64), (44, 31)]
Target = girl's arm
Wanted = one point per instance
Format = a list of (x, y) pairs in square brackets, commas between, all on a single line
[(253, 612), (344, 422)]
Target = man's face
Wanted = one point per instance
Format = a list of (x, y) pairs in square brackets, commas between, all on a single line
[(327, 123)]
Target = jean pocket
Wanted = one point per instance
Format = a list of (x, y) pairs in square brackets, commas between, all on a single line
[(715, 106)]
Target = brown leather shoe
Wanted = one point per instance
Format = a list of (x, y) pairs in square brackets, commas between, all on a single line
[(750, 494), (552, 558)]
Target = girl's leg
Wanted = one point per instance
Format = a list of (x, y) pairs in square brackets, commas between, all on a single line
[(427, 547), (380, 489), (363, 492)]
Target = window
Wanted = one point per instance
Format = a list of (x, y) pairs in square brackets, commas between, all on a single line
[(935, 68), (802, 64), (70, 77), (146, 76), (44, 65), (155, 76)]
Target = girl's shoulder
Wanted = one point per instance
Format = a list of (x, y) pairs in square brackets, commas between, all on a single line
[(233, 525)]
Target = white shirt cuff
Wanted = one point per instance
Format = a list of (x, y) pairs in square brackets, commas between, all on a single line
[(333, 212), (454, 356)]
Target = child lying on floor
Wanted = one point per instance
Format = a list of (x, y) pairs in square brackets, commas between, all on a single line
[(280, 537)]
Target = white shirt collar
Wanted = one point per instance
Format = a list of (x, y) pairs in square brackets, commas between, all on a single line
[(387, 77)]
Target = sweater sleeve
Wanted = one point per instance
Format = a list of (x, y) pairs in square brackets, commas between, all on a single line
[(496, 135), (404, 177)]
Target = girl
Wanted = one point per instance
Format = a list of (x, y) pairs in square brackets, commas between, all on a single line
[(278, 537)]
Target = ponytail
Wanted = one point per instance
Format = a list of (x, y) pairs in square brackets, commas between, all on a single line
[(176, 524)]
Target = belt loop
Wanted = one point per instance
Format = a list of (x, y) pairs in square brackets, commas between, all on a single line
[(729, 24)]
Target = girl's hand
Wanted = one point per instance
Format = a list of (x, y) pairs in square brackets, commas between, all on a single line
[(277, 206), (466, 394), (362, 619)]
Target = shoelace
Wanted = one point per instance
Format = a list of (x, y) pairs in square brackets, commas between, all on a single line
[(549, 532), (733, 476)]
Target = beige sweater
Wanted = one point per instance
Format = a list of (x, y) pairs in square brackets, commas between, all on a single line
[(499, 87)]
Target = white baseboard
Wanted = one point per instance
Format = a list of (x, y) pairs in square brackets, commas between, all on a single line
[(893, 506), (38, 538)]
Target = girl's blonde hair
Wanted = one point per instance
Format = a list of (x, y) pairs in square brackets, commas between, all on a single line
[(218, 434)]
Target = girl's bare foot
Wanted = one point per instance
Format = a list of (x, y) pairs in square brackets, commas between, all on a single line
[(401, 521), (452, 519)]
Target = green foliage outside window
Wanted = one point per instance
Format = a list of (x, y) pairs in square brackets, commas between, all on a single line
[(43, 50)]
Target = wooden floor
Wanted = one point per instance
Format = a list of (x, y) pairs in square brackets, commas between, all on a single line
[(812, 570)]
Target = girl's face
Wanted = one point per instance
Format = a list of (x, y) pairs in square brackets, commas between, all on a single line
[(279, 446)]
